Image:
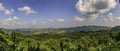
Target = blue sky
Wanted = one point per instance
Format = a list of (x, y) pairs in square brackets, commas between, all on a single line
[(50, 13), (45, 8)]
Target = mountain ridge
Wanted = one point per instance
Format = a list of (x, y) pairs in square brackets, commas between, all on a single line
[(69, 28)]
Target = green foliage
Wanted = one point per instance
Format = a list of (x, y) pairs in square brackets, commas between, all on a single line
[(75, 41)]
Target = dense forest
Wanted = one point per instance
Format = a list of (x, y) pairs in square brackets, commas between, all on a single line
[(100, 40)]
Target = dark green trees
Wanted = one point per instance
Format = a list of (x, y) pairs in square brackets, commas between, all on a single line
[(75, 41)]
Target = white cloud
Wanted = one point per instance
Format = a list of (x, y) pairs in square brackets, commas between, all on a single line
[(105, 20), (117, 18), (27, 10), (6, 11), (34, 22), (9, 11), (78, 19), (60, 20), (110, 17), (93, 8), (111, 20), (15, 18), (51, 20), (44, 22), (11, 21), (1, 7)]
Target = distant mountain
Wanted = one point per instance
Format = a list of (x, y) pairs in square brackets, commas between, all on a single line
[(89, 28), (71, 29), (116, 28), (6, 30)]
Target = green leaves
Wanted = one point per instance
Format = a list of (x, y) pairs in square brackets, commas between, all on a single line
[(75, 41)]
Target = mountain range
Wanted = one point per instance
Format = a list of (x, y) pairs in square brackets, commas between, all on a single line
[(79, 28)]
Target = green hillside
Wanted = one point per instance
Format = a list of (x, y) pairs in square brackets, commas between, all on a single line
[(101, 40), (116, 28)]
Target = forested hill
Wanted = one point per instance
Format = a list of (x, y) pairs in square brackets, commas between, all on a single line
[(89, 28), (62, 30), (104, 40), (116, 28), (79, 28)]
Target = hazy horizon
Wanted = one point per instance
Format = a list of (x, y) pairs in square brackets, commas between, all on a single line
[(58, 13)]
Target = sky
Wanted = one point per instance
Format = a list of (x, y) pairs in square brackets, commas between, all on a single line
[(58, 13)]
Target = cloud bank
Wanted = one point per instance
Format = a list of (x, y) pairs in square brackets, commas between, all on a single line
[(60, 20), (78, 19), (11, 21), (110, 20), (93, 8)]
